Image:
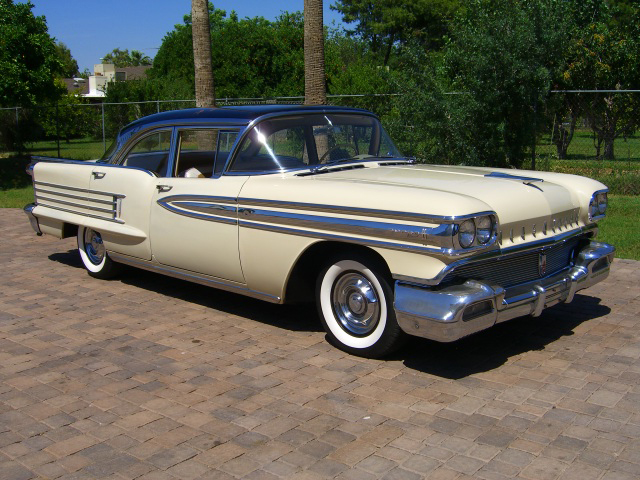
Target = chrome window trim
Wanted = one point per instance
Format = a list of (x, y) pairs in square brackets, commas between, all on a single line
[(120, 156), (222, 128), (256, 121)]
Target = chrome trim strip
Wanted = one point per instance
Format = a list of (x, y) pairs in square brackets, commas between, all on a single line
[(363, 212), (77, 205), (83, 190), (440, 236), (201, 211), (115, 220), (595, 194), (193, 277), (508, 176), (498, 254), (200, 198), (342, 238), (75, 197)]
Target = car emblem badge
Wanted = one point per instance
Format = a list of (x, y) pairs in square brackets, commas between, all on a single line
[(542, 264)]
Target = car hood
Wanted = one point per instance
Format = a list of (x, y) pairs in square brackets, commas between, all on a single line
[(545, 200)]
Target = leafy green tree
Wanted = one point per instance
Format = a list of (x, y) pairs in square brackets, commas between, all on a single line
[(501, 58), (385, 23), (122, 58), (71, 117), (604, 57), (69, 64), (28, 59), (252, 57)]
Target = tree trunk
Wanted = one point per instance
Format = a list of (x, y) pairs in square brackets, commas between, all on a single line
[(205, 93), (314, 82), (564, 136)]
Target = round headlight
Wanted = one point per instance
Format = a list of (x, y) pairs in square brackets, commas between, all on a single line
[(601, 200), (593, 207), (484, 229), (467, 233)]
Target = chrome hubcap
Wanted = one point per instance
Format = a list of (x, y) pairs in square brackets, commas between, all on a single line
[(93, 246), (355, 304)]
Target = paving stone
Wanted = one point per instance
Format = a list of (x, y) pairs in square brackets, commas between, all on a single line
[(152, 378)]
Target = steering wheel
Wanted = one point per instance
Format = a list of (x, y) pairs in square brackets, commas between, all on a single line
[(336, 147)]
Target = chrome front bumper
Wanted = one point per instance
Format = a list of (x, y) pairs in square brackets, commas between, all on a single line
[(449, 313)]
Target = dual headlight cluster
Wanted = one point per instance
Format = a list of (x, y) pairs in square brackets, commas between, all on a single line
[(598, 205), (477, 231)]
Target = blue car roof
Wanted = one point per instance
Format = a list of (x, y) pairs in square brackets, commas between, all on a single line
[(236, 115)]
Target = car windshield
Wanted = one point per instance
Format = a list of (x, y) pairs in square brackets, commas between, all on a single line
[(300, 141)]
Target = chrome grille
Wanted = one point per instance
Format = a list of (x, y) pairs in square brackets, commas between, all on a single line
[(516, 269)]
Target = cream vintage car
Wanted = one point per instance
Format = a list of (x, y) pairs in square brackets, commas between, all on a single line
[(292, 203)]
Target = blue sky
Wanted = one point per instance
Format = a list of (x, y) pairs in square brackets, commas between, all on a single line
[(93, 28)]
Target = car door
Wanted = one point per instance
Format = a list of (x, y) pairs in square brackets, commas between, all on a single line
[(130, 184), (194, 213)]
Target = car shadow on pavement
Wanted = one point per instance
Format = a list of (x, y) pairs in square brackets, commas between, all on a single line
[(481, 352), (303, 318), (492, 348)]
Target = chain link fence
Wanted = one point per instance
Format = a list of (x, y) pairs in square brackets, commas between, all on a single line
[(592, 133)]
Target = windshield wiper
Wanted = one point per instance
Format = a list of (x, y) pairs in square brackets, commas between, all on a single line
[(324, 166)]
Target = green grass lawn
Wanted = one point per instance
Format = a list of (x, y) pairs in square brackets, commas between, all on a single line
[(77, 149), (621, 227)]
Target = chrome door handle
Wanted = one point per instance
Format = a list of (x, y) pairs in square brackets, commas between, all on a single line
[(163, 188), (98, 175)]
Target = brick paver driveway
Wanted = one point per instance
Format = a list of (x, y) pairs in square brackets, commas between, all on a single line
[(149, 377)]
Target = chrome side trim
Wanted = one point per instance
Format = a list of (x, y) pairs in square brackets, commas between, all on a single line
[(341, 238), (68, 195), (363, 212), (456, 311), (203, 207), (440, 236), (82, 190), (42, 201), (218, 283), (115, 220)]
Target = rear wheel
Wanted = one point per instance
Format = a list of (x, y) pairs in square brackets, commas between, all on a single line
[(94, 255), (355, 302)]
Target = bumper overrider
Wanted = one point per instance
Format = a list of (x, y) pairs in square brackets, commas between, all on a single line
[(33, 220), (448, 313)]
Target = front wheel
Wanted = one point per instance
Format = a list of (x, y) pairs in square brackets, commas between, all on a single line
[(94, 255), (356, 308)]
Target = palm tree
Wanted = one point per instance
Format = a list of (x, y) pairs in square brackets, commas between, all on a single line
[(138, 59), (314, 85), (205, 93)]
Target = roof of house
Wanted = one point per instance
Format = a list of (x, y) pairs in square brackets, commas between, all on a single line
[(73, 86), (134, 73)]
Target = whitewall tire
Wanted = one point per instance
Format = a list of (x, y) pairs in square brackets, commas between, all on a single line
[(355, 303), (94, 255)]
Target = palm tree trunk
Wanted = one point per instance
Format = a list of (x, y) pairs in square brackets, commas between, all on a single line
[(205, 93), (314, 82)]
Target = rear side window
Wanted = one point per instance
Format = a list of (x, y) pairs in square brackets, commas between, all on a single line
[(151, 152)]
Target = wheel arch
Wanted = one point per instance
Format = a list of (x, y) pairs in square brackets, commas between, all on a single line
[(300, 284)]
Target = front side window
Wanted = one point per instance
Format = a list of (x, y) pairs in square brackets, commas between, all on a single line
[(151, 152), (306, 140), (202, 152)]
